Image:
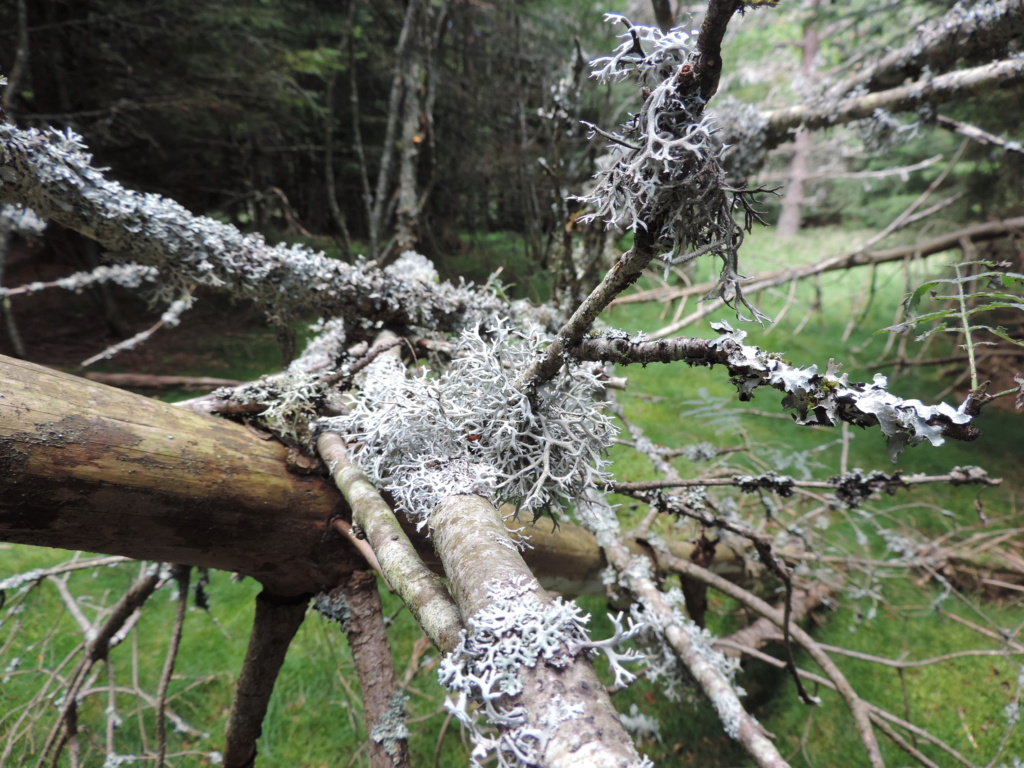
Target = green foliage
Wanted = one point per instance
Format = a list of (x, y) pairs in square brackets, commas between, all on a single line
[(978, 291)]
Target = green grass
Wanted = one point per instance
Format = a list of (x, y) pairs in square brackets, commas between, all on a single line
[(315, 716)]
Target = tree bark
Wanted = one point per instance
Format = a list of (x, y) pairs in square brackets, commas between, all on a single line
[(962, 84), (275, 624), (87, 466)]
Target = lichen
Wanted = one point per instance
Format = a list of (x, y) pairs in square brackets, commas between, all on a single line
[(392, 728), (518, 630), (470, 430)]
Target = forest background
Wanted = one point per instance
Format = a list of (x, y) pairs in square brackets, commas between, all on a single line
[(279, 117)]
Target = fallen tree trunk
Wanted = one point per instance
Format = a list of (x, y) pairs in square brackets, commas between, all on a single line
[(86, 466)]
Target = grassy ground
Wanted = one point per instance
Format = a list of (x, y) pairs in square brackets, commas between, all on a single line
[(315, 715)]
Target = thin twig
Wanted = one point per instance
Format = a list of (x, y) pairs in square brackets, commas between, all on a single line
[(182, 574), (857, 706)]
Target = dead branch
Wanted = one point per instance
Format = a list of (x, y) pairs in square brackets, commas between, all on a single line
[(763, 630), (147, 381), (965, 31), (974, 133), (857, 706), (356, 605), (96, 649), (978, 233), (814, 402), (879, 716), (420, 589), (888, 483), (954, 86), (623, 274), (182, 574), (275, 624), (154, 232), (709, 44), (736, 720)]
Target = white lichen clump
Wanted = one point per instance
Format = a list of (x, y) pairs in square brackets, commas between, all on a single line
[(667, 177), (471, 431), (515, 631)]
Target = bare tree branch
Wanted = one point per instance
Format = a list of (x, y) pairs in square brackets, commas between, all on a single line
[(420, 589), (181, 574), (275, 624), (709, 44), (974, 133), (356, 606), (96, 649)]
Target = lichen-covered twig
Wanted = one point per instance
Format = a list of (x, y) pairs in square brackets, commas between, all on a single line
[(709, 44), (525, 656), (420, 589), (737, 721), (939, 89), (624, 273), (356, 606), (275, 624), (857, 706), (823, 399), (851, 488), (666, 161)]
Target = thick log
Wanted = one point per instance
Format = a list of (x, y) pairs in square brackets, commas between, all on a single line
[(86, 466)]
